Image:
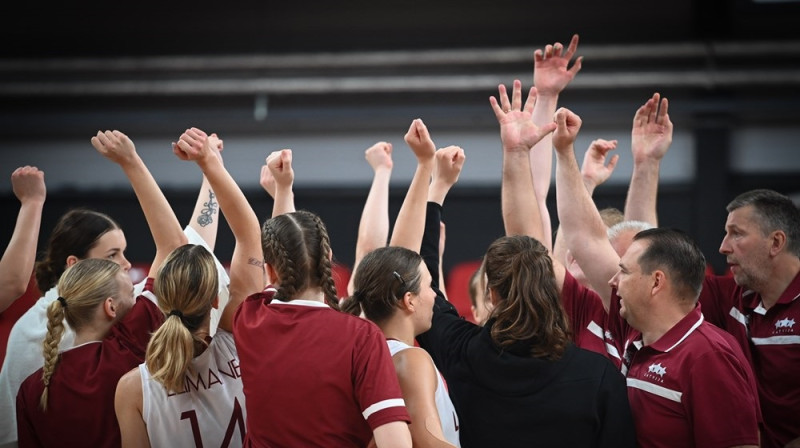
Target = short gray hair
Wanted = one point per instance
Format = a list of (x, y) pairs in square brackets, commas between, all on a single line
[(617, 229)]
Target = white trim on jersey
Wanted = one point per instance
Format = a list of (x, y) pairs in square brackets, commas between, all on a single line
[(381, 405), (655, 389), (777, 340), (739, 316)]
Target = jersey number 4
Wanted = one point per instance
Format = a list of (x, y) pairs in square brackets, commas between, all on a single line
[(236, 419)]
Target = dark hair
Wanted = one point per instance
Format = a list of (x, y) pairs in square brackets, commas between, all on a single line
[(520, 271), (382, 278), (75, 233), (773, 211), (297, 246), (675, 252)]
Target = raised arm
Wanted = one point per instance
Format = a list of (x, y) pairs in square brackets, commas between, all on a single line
[(16, 266), (279, 164), (410, 223), (247, 262), (373, 228), (518, 134), (584, 231), (594, 172), (651, 137), (164, 226), (449, 162), (205, 217), (551, 75)]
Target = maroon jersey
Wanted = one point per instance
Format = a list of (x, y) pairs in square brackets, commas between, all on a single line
[(772, 340), (80, 407), (313, 376), (589, 320)]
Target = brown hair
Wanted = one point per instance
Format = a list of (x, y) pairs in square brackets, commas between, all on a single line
[(520, 272), (297, 246)]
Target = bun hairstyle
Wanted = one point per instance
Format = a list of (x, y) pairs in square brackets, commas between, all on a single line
[(186, 286), (82, 288), (381, 280), (75, 233), (297, 246)]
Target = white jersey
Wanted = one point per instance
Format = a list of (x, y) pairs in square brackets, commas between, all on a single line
[(209, 411), (447, 412)]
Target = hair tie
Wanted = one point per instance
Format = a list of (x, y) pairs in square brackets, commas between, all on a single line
[(63, 301), (176, 313), (358, 296)]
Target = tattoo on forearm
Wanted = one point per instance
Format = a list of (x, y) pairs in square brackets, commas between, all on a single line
[(206, 214), (255, 262)]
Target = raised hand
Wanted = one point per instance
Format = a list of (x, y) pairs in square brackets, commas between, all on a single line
[(517, 129), (550, 72), (115, 146), (267, 181), (594, 170), (449, 162), (419, 140), (27, 182), (194, 144), (651, 135), (379, 156), (217, 144), (568, 126), (280, 166)]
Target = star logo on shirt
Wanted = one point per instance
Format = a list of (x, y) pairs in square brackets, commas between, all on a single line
[(609, 336), (785, 323), (657, 369)]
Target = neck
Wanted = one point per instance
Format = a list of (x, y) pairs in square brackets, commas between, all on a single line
[(661, 322), (314, 294), (93, 334), (783, 272), (398, 328)]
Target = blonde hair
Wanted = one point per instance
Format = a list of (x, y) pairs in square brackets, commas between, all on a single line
[(82, 287), (186, 286)]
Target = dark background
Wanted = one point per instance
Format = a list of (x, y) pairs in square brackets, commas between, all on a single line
[(57, 59)]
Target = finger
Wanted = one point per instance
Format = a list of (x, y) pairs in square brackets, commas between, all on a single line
[(505, 103), (547, 128), (573, 46), (531, 101), (286, 158), (576, 67), (557, 48), (516, 95), (612, 163), (652, 109), (498, 111), (663, 111), (538, 56), (548, 51)]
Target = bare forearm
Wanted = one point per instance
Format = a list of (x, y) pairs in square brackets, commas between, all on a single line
[(284, 201), (18, 259), (410, 223), (521, 213), (205, 217), (373, 228), (541, 161), (640, 204), (164, 226)]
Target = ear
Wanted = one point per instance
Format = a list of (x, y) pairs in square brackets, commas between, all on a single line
[(109, 308), (72, 259), (215, 305), (659, 280), (272, 275), (494, 297), (777, 242), (408, 302)]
